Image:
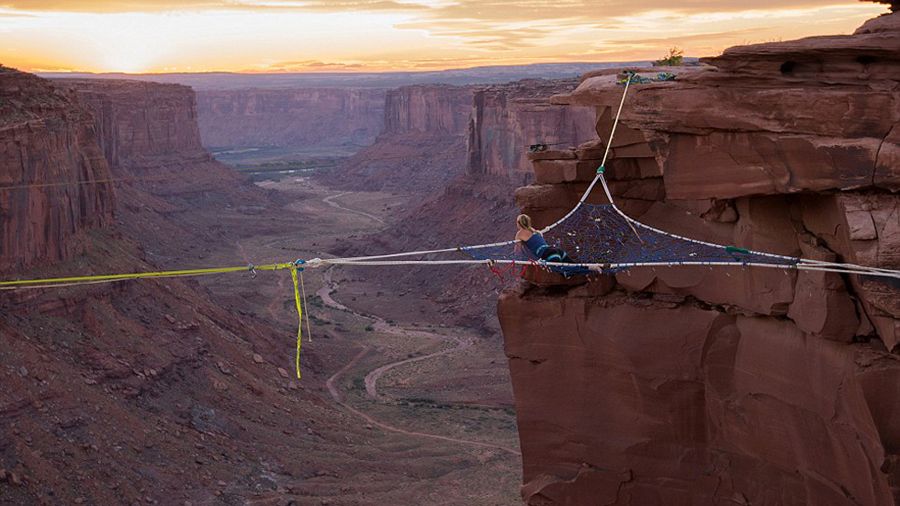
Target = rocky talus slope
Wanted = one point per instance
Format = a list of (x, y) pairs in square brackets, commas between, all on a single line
[(152, 392), (727, 385)]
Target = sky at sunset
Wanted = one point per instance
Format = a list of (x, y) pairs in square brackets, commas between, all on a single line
[(377, 35)]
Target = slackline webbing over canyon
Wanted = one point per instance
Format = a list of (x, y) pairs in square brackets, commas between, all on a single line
[(599, 238)]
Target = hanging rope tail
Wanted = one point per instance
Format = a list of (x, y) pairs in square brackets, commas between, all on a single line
[(294, 270), (303, 290)]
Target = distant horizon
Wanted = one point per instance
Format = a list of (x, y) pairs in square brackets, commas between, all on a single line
[(384, 36), (349, 72), (463, 76)]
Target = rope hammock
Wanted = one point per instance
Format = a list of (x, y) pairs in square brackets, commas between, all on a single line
[(600, 238)]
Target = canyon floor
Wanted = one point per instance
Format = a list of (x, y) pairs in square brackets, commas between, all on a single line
[(429, 403)]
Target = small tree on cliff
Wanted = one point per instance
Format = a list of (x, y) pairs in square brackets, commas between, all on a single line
[(674, 58)]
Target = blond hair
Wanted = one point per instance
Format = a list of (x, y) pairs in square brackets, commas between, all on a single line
[(524, 221)]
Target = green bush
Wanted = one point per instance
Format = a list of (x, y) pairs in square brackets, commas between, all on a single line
[(674, 58)]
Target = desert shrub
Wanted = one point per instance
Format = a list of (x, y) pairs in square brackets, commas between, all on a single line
[(674, 58)]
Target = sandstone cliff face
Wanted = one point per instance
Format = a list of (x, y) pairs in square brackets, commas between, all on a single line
[(133, 392), (149, 135), (141, 125), (435, 110), (47, 143), (506, 119), (422, 147), (435, 133), (729, 385), (475, 206), (299, 117)]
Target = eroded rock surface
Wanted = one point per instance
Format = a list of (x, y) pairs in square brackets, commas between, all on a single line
[(294, 117), (727, 385), (508, 118), (422, 146), (51, 170)]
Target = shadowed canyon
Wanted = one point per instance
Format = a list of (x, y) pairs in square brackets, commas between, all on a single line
[(454, 385)]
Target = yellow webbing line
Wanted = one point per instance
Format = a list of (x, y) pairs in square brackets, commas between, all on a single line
[(138, 275), (303, 291), (109, 278), (299, 315)]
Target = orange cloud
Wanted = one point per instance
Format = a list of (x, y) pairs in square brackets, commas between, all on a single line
[(354, 35), (110, 6)]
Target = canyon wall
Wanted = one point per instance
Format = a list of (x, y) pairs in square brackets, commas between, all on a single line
[(295, 117), (149, 134), (508, 118), (135, 391), (476, 205), (436, 133), (696, 385), (140, 124), (422, 147), (53, 176), (436, 110)]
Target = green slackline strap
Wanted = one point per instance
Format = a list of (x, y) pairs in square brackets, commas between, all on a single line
[(735, 249)]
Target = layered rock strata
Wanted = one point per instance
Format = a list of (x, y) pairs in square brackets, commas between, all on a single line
[(131, 392), (694, 385), (509, 118), (294, 117), (54, 179), (422, 146), (149, 134), (486, 160)]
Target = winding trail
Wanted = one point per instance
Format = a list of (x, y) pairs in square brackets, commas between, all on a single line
[(372, 378), (330, 201), (381, 325)]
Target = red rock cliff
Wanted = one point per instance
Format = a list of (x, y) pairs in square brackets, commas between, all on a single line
[(290, 117), (475, 206), (149, 133), (508, 118), (729, 385), (92, 373), (47, 142), (435, 109), (141, 124), (422, 146)]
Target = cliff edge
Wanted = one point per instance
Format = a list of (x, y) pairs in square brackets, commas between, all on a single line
[(53, 173), (725, 386)]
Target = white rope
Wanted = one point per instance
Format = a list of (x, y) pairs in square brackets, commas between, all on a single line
[(427, 252), (617, 266), (599, 176), (794, 262), (584, 197)]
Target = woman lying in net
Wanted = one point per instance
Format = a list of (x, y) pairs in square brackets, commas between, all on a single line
[(535, 244)]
